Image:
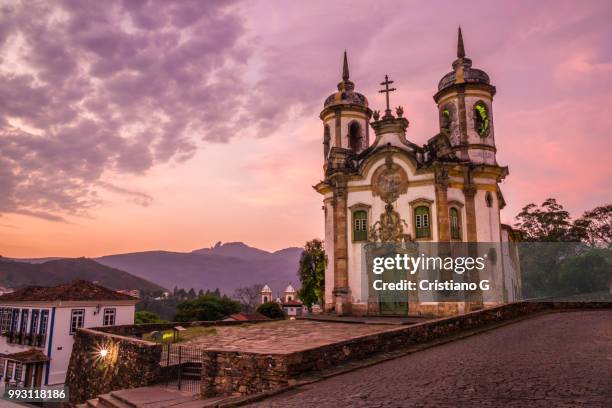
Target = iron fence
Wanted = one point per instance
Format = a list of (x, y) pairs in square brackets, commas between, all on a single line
[(181, 367)]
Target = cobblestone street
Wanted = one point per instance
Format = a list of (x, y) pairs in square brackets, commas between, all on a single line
[(554, 360)]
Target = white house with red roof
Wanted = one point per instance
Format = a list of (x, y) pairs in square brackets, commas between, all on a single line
[(37, 325)]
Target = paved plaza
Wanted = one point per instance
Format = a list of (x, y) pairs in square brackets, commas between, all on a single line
[(286, 336), (552, 360)]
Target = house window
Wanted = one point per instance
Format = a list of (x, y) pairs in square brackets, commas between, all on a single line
[(18, 369), (23, 327), (44, 318), (77, 320), (34, 322), (5, 320), (360, 225), (455, 223), (14, 320), (422, 222), (9, 369), (109, 317)]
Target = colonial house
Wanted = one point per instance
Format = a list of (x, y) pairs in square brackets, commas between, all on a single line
[(37, 325)]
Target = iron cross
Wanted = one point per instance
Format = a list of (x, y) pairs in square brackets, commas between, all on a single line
[(387, 90)]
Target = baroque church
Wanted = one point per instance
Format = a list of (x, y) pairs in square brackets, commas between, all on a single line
[(379, 186)]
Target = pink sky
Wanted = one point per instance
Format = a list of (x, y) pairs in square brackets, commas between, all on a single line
[(128, 126)]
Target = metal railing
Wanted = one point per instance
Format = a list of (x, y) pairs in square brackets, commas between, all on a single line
[(26, 339), (181, 367)]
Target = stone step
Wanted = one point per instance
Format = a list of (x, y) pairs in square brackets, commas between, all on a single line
[(153, 397), (109, 401), (92, 403)]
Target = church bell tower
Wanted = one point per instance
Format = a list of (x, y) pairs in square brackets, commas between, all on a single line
[(465, 106), (345, 118)]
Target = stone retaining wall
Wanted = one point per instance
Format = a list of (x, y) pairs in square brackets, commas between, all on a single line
[(128, 363)]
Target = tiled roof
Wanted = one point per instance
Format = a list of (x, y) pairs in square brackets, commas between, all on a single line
[(28, 356), (248, 317), (79, 290), (292, 303)]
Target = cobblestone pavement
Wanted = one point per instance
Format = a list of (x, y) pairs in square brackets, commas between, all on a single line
[(553, 360), (285, 336)]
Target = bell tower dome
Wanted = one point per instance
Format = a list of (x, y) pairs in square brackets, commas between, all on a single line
[(345, 117), (465, 106)]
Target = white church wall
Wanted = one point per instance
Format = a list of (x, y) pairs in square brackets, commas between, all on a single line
[(329, 248)]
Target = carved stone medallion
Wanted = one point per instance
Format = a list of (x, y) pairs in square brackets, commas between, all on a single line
[(389, 181)]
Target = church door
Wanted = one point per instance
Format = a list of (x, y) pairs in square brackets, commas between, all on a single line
[(393, 302)]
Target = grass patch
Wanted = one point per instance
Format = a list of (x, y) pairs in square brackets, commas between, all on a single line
[(167, 336)]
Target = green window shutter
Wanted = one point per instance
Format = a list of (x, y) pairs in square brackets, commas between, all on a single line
[(454, 223), (360, 225), (422, 222)]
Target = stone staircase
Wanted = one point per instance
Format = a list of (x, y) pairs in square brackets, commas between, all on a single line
[(146, 397)]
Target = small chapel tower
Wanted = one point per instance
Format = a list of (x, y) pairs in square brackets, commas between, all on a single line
[(345, 118), (290, 294), (266, 294), (465, 106)]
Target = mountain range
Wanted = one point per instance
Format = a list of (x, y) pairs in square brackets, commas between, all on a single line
[(225, 266), (16, 274)]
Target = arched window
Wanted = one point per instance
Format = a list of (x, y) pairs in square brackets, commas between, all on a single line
[(489, 199), (482, 121), (265, 299), (289, 298), (355, 137), (360, 225), (422, 222), (455, 223), (326, 141)]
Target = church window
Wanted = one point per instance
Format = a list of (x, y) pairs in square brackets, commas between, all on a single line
[(360, 225), (355, 137), (326, 141), (445, 120), (455, 223), (489, 199), (481, 119), (422, 222), (265, 299)]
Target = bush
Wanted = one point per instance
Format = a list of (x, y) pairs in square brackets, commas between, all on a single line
[(207, 307), (271, 310), (144, 316)]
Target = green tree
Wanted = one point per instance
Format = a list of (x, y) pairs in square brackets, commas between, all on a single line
[(144, 316), (271, 310), (207, 307), (547, 223), (597, 225), (556, 259), (312, 273)]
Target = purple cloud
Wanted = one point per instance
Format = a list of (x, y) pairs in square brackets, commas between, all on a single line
[(88, 88)]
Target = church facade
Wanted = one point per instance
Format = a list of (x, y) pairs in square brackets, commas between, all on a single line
[(379, 186)]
